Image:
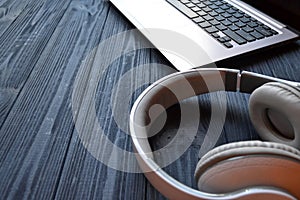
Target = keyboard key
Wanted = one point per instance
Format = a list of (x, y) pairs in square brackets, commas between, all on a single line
[(224, 7), (274, 32), (190, 5), (213, 13), (231, 11), (206, 9), (218, 3), (266, 27), (260, 23), (213, 6), (226, 23), (233, 27), (195, 1), (196, 9), (219, 18), (226, 15), (208, 17), (227, 4), (211, 29), (214, 22), (189, 13), (252, 24), (207, 3), (233, 19), (202, 13), (221, 27), (219, 10), (240, 24), (245, 35), (222, 40), (215, 35), (185, 1), (227, 44), (257, 35), (204, 25), (245, 20), (264, 31), (235, 37), (201, 5), (238, 15), (198, 19), (248, 29), (227, 39)]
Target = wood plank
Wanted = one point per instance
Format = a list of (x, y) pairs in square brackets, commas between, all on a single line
[(10, 10), (35, 136), (83, 176), (22, 44)]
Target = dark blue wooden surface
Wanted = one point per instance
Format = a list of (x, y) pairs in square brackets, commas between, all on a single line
[(42, 46)]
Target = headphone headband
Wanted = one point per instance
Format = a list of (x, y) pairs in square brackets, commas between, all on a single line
[(201, 81)]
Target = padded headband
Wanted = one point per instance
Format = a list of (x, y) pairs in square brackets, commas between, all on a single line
[(169, 91)]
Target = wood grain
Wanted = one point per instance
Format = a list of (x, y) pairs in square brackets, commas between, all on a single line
[(43, 45)]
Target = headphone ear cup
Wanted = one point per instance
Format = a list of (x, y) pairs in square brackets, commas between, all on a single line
[(247, 164), (274, 110)]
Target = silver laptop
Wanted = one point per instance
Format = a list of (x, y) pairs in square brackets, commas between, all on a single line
[(221, 28)]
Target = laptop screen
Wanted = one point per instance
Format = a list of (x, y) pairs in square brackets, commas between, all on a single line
[(285, 11)]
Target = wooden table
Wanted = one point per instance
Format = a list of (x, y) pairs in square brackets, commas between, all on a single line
[(44, 45)]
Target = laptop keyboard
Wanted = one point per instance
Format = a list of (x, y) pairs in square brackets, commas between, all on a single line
[(223, 21)]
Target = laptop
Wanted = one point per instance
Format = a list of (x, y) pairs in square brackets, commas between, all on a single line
[(223, 29)]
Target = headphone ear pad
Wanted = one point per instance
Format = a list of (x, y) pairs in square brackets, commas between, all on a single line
[(241, 165), (274, 110)]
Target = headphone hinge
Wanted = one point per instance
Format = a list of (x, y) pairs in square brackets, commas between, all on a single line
[(250, 81), (231, 80)]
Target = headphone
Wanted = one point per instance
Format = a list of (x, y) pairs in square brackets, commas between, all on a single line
[(240, 170)]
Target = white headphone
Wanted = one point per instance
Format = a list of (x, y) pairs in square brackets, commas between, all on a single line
[(241, 170)]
